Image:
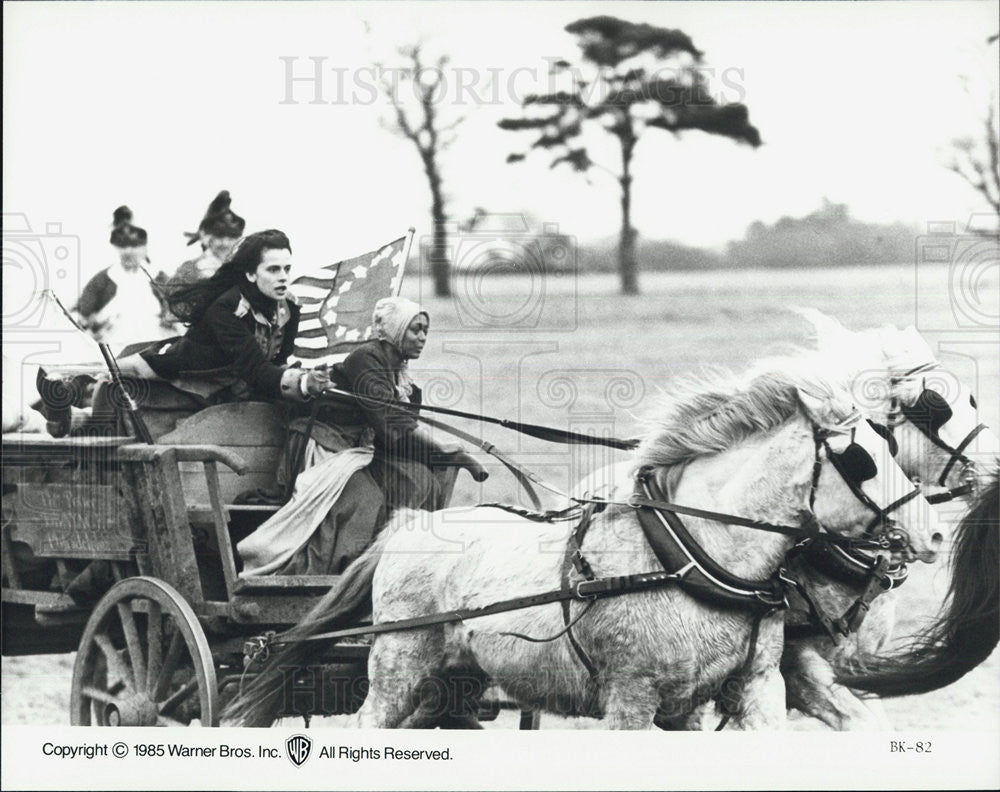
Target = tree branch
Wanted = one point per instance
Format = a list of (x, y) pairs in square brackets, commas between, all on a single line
[(981, 172)]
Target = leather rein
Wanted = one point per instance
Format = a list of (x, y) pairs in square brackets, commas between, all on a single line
[(684, 562), (696, 572)]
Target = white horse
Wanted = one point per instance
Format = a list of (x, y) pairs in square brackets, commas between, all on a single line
[(784, 447), (934, 421), (898, 382)]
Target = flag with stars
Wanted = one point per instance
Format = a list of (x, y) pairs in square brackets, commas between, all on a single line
[(337, 302)]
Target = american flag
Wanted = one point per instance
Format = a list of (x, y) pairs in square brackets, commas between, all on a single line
[(337, 302)]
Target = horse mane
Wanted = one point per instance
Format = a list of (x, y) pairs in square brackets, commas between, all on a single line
[(707, 414), (886, 348), (901, 350)]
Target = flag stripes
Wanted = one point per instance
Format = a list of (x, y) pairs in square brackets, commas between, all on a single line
[(337, 307)]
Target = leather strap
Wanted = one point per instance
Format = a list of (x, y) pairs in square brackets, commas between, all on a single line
[(847, 567), (878, 583), (574, 559), (552, 515), (955, 492), (878, 580), (542, 432), (732, 689), (957, 454), (817, 621), (698, 574), (524, 477), (585, 590)]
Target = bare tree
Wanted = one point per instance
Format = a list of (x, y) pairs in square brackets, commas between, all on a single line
[(976, 158), (414, 92), (640, 77)]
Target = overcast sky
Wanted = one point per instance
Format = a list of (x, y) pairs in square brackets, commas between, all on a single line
[(159, 105)]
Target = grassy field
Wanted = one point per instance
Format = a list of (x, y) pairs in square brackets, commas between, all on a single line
[(570, 352)]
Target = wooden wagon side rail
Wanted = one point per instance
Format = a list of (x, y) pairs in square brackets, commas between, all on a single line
[(184, 453)]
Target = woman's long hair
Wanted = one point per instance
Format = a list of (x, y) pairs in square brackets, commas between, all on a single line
[(190, 301)]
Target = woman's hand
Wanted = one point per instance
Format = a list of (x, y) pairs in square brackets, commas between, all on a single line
[(316, 381), (467, 461)]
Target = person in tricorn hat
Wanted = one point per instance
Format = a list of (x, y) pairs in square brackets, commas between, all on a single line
[(121, 303), (218, 233)]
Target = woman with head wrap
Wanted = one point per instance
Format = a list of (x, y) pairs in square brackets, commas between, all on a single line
[(405, 467), (411, 468)]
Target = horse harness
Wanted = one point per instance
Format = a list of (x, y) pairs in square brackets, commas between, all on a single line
[(842, 562), (698, 575), (928, 414), (693, 570)]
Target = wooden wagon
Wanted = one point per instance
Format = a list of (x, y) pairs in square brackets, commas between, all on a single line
[(124, 553)]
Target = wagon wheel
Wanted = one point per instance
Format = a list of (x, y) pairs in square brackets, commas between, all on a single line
[(143, 661)]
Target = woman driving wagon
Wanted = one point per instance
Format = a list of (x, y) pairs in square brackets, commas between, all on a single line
[(350, 464), (359, 459)]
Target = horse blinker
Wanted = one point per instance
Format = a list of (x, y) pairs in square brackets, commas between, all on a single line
[(854, 463), (930, 411)]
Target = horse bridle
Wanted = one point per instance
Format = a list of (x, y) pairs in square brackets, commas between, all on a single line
[(855, 466), (928, 414)]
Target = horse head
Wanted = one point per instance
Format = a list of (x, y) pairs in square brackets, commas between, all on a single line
[(858, 488), (786, 436), (929, 413)]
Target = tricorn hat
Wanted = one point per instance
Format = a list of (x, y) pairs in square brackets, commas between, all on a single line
[(219, 220), (123, 233)]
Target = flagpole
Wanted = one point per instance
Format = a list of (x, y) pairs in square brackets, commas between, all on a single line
[(406, 258)]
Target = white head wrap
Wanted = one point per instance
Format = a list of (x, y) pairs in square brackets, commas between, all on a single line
[(390, 320), (392, 316)]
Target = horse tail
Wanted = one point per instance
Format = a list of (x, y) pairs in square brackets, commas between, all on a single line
[(968, 629), (261, 701)]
